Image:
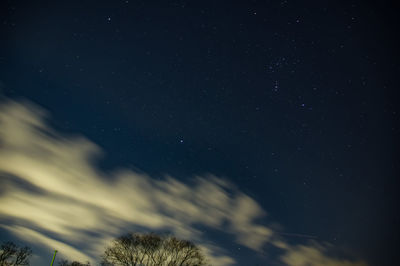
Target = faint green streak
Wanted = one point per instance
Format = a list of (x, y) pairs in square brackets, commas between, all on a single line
[(54, 256)]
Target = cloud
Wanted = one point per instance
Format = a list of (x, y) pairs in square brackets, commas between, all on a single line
[(56, 196), (314, 255), (27, 233)]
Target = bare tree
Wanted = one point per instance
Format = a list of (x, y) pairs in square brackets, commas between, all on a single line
[(74, 263), (11, 254), (152, 250)]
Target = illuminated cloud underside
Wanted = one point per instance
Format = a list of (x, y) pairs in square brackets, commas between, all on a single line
[(68, 197)]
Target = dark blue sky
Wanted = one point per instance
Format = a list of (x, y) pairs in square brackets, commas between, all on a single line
[(291, 101)]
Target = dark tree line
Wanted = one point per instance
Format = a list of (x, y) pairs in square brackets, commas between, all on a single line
[(152, 249), (128, 250), (74, 263), (11, 254)]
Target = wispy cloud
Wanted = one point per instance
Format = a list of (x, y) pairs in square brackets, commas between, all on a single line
[(313, 255), (57, 197)]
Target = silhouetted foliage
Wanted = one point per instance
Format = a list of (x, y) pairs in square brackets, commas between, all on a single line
[(150, 250), (11, 254), (74, 263)]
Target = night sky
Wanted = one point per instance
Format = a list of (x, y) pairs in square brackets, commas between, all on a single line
[(266, 132)]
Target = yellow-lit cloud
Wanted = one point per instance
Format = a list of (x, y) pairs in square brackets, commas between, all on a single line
[(314, 255), (57, 197)]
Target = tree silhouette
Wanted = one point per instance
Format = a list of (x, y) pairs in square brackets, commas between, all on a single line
[(11, 254), (74, 263), (151, 249)]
